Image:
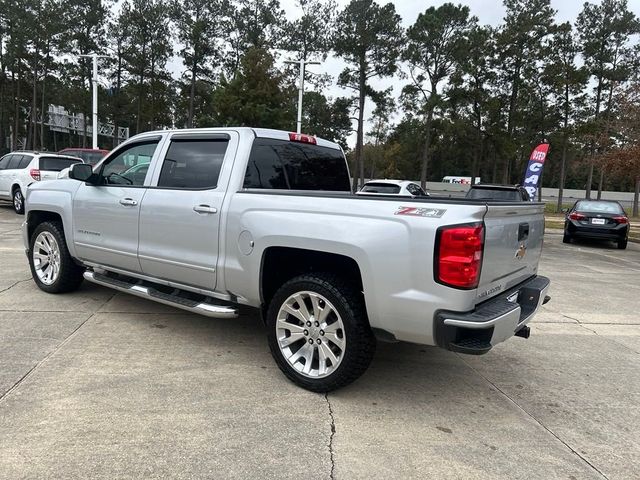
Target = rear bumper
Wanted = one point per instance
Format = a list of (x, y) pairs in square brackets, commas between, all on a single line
[(618, 232), (493, 321)]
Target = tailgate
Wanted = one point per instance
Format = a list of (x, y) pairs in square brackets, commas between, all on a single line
[(512, 246)]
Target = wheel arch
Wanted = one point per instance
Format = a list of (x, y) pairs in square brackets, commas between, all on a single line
[(280, 264)]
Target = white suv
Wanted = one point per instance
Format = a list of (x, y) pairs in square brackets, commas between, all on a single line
[(20, 169)]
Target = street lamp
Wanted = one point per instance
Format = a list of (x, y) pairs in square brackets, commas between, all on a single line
[(302, 63), (94, 82)]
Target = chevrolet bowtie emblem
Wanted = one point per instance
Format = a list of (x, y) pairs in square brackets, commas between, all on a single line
[(521, 252)]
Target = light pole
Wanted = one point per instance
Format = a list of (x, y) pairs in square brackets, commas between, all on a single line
[(302, 63), (94, 82)]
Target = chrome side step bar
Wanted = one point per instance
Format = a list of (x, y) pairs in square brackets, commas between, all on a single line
[(201, 308)]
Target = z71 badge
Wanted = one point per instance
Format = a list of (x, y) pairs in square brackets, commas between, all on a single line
[(421, 212)]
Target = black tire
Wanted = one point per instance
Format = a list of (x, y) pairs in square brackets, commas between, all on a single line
[(70, 275), (360, 341), (18, 201), (566, 238), (622, 244)]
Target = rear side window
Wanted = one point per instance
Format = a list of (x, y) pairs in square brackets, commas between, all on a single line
[(381, 188), (54, 164), (26, 160), (193, 164), (494, 194), (284, 165), (4, 161), (14, 162)]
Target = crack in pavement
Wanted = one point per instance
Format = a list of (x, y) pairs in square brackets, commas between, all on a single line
[(333, 432), (584, 325), (14, 284), (6, 394), (534, 418)]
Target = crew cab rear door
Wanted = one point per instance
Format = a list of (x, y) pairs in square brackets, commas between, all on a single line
[(512, 246), (180, 214)]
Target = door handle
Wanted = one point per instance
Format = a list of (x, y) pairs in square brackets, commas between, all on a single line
[(205, 209), (128, 202)]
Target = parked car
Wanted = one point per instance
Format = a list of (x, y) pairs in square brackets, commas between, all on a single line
[(266, 219), (403, 188), (88, 155), (598, 219), (20, 169), (507, 193)]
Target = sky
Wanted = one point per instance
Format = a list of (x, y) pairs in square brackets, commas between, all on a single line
[(489, 12)]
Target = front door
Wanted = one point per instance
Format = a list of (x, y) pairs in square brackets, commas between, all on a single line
[(106, 214), (180, 215)]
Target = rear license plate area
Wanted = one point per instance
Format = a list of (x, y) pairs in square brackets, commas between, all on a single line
[(598, 221)]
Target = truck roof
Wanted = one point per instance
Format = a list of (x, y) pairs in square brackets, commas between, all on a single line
[(257, 132)]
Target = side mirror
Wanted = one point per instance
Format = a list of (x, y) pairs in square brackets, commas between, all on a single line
[(81, 171)]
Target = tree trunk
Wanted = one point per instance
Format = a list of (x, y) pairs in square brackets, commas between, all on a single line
[(563, 163), (16, 119), (34, 105), (192, 92), (600, 182), (636, 196), (359, 135), (426, 148)]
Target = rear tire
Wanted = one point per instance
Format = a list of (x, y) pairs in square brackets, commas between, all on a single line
[(52, 267), (566, 238), (314, 359), (622, 244), (18, 201)]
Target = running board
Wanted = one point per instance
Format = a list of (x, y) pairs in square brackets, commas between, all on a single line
[(150, 293)]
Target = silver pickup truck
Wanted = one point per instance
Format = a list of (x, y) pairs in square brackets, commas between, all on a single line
[(210, 219)]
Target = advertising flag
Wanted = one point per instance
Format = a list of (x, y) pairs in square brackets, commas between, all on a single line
[(534, 170)]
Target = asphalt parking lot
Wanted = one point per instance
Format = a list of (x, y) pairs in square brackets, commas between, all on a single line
[(102, 385)]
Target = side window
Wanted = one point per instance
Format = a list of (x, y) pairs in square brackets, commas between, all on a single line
[(123, 169), (14, 162), (26, 160), (419, 191), (193, 164), (411, 188), (4, 161), (278, 164)]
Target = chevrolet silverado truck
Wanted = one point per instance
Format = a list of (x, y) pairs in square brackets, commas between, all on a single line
[(208, 220)]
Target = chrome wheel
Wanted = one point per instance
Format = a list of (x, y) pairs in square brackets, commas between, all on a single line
[(18, 200), (310, 333), (46, 258)]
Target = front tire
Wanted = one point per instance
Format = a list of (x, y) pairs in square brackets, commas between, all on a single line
[(52, 267), (18, 201), (318, 332)]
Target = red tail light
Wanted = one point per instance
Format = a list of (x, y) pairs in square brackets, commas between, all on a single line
[(577, 216), (620, 219), (301, 137), (35, 174), (459, 255)]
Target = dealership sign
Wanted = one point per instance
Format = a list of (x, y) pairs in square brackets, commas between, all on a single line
[(534, 170)]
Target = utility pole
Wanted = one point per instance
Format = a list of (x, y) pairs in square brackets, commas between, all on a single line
[(302, 63), (94, 82)]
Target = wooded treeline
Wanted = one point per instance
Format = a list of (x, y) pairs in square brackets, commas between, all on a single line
[(474, 101)]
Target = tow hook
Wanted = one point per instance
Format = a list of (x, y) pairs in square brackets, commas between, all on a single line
[(524, 332)]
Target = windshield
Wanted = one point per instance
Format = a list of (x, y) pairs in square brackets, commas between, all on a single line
[(381, 188), (598, 207)]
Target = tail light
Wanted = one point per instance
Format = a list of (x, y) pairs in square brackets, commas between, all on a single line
[(35, 174), (459, 255), (577, 216), (621, 219), (302, 138)]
